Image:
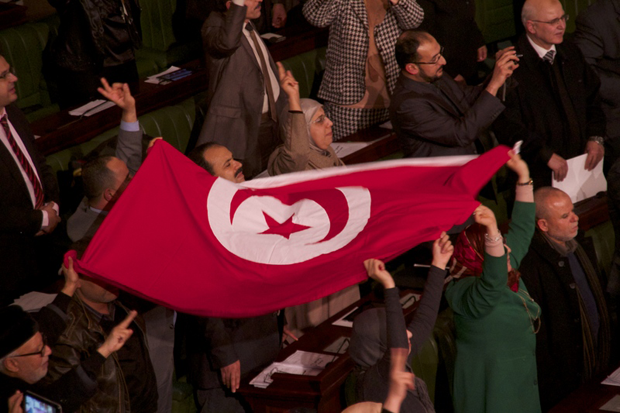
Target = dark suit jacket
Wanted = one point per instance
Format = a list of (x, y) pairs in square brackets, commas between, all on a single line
[(534, 111), (559, 343), (431, 123), (20, 221), (236, 86), (598, 37)]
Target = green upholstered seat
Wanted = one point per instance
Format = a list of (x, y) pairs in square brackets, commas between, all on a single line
[(424, 364), (495, 19), (159, 43), (23, 47), (307, 68), (603, 239)]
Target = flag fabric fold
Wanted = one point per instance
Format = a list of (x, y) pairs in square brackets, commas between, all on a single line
[(206, 246)]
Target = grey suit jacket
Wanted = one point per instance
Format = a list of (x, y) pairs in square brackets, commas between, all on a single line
[(128, 150), (441, 119), (236, 86)]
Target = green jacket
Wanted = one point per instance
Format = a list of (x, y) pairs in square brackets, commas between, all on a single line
[(495, 369)]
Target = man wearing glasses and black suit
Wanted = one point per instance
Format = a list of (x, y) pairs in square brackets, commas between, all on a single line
[(431, 113)]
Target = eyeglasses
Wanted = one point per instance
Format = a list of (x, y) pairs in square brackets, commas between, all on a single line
[(40, 352), (434, 61), (320, 120), (4, 75), (554, 22)]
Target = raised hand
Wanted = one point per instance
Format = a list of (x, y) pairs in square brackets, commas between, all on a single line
[(484, 216), (442, 251), (120, 94), (72, 280), (519, 166), (118, 336), (290, 87), (376, 270)]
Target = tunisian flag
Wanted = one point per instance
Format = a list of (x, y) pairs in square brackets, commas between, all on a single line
[(203, 245)]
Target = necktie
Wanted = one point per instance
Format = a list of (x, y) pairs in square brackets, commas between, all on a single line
[(549, 56), (266, 76), (38, 190)]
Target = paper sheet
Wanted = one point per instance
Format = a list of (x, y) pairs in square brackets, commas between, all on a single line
[(299, 363), (91, 108), (613, 379), (580, 184), (154, 79), (613, 405), (34, 301)]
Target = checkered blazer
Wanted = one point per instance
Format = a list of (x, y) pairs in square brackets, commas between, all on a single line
[(347, 49)]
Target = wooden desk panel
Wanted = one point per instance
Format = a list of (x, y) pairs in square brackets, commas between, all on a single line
[(61, 130), (320, 392), (588, 398)]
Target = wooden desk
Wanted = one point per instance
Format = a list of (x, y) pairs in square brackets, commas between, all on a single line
[(592, 211), (61, 130), (375, 151), (320, 392), (588, 398)]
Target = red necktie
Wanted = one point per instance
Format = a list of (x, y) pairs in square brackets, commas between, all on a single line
[(38, 190)]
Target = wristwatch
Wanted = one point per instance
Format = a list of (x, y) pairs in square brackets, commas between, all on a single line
[(598, 139)]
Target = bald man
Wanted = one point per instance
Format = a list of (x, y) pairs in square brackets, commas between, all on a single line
[(554, 104), (573, 342)]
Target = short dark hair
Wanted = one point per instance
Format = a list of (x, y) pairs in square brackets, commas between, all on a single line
[(407, 46), (197, 155), (96, 177)]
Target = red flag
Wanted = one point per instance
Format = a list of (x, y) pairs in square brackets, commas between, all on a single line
[(207, 246)]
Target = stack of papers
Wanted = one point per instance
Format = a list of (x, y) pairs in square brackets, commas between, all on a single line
[(155, 78), (613, 379), (301, 363)]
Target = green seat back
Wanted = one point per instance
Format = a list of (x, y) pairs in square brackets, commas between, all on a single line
[(424, 364), (603, 238), (495, 19), (23, 47), (307, 69)]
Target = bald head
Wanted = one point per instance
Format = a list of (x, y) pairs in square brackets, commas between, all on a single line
[(543, 21), (554, 215)]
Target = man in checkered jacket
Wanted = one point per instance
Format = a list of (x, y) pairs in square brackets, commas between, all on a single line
[(361, 69)]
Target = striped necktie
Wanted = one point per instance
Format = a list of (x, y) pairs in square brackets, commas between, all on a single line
[(549, 57), (23, 161)]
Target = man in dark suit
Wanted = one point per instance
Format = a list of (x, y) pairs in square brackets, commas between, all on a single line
[(246, 105), (598, 37), (555, 106), (223, 351), (432, 114), (29, 195)]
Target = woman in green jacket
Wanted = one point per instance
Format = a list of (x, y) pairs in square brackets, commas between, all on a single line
[(496, 319)]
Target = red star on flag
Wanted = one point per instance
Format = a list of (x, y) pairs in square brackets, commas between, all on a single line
[(284, 229)]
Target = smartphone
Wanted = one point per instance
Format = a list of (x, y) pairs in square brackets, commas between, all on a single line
[(33, 403)]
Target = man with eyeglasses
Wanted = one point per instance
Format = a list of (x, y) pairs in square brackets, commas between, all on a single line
[(25, 342), (431, 113), (29, 201), (554, 104)]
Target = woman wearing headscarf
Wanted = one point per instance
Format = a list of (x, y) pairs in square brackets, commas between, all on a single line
[(378, 331), (307, 134), (496, 319)]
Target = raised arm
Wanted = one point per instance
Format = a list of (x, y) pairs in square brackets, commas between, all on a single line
[(321, 13), (425, 316), (222, 37), (409, 14)]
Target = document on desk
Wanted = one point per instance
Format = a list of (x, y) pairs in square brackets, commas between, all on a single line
[(613, 405), (580, 184), (302, 363), (613, 379), (91, 108)]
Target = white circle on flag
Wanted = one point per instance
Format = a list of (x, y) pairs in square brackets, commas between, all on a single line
[(245, 237)]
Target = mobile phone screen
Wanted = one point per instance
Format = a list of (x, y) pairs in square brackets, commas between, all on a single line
[(36, 404)]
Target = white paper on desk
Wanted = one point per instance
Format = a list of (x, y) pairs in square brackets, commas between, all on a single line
[(613, 379), (387, 125), (301, 363), (268, 36), (155, 78), (343, 149), (91, 108), (580, 184), (613, 405)]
